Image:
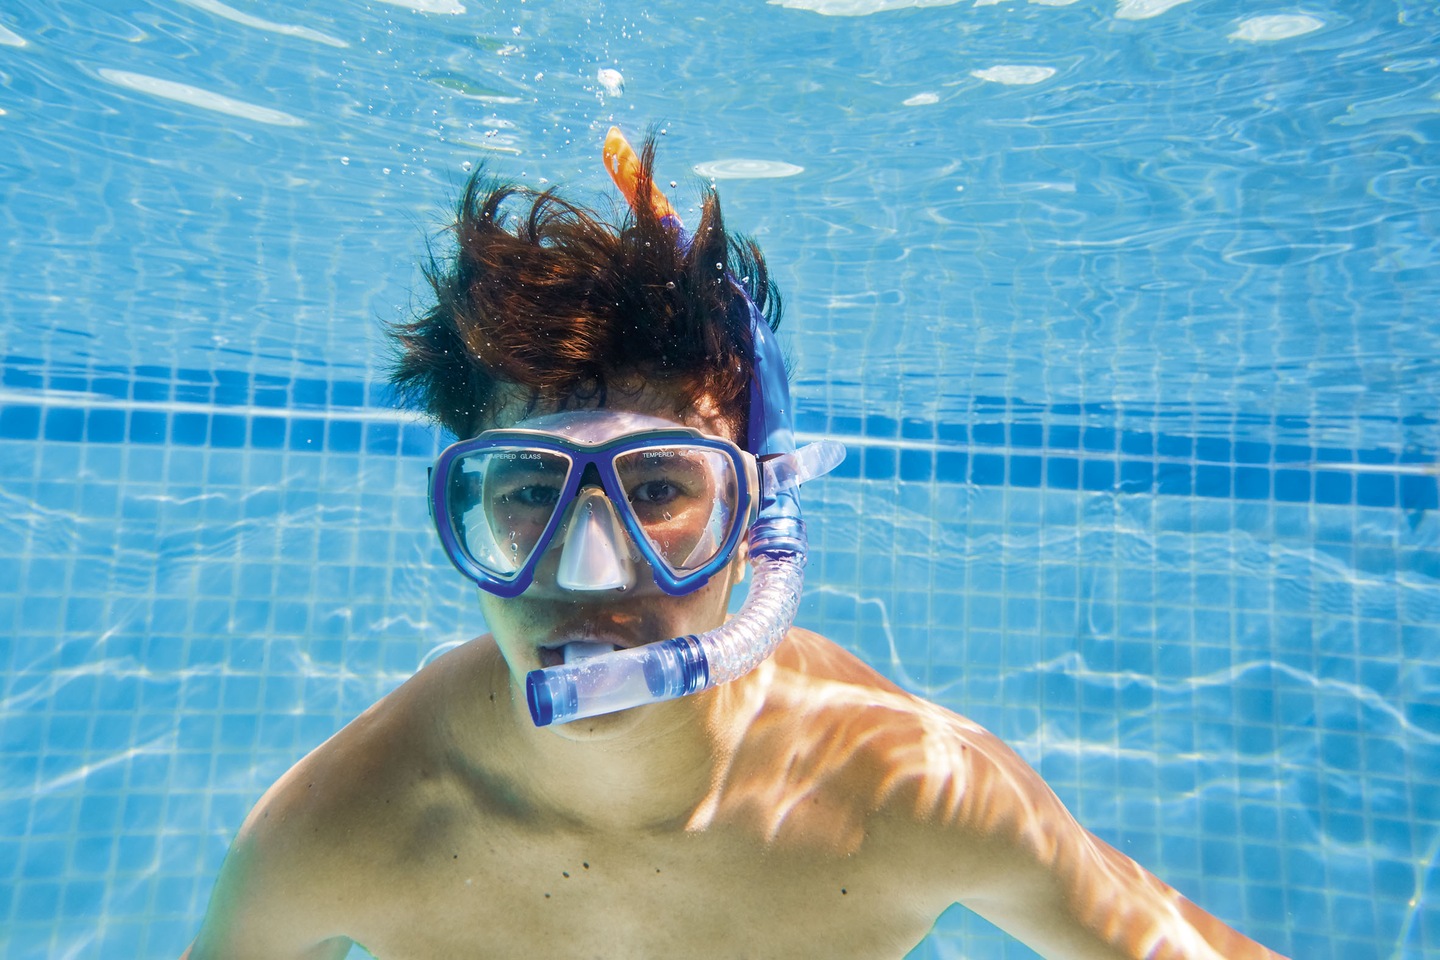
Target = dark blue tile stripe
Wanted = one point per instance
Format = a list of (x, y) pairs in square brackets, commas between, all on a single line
[(220, 388), (221, 430), (318, 415)]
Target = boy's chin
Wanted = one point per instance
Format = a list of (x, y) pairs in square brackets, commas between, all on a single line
[(606, 726)]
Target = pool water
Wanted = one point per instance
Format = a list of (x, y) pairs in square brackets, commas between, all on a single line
[(1128, 312)]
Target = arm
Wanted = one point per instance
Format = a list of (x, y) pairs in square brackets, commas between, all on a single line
[(263, 906), (1018, 858)]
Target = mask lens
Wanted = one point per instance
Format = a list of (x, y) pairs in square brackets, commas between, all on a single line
[(501, 500), (684, 500)]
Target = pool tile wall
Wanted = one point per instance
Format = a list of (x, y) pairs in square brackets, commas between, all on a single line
[(202, 576)]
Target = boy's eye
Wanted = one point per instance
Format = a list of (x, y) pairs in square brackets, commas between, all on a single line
[(654, 492), (534, 495)]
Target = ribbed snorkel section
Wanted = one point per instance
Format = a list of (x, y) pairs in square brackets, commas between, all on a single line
[(740, 644)]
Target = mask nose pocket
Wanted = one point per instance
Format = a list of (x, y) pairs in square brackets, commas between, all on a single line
[(596, 551)]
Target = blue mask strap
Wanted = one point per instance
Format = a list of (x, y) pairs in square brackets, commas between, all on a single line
[(778, 529)]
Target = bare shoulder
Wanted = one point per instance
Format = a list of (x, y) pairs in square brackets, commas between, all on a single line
[(922, 760), (865, 753), (949, 792), (324, 837), (358, 791), (965, 818)]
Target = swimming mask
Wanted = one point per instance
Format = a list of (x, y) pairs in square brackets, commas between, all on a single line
[(597, 479)]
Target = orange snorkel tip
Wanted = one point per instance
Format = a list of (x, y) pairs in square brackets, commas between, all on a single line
[(623, 165)]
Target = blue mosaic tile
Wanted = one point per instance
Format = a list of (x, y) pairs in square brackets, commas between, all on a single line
[(267, 433), (917, 465), (1332, 487), (347, 393), (64, 424), (1136, 476), (1213, 449), (1098, 439), (914, 428), (1252, 483), (227, 432), (232, 388), (1097, 475), (880, 426), (952, 433), (1062, 473), (1168, 445), (344, 436), (309, 393), (951, 466), (1175, 479), (1025, 471), (22, 377), (990, 434), (1212, 481), (20, 422), (1027, 435), (189, 429), (987, 469), (1248, 451), (1419, 493), (1375, 490), (307, 434), (1137, 444), (1062, 436), (382, 439)]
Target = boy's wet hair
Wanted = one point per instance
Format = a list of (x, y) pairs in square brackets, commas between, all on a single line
[(557, 301)]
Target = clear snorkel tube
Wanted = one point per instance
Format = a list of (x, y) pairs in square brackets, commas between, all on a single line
[(679, 666), (682, 665)]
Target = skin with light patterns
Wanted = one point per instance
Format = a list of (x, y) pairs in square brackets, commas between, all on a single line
[(809, 809)]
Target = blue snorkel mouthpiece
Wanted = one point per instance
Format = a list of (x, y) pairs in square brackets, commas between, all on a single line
[(683, 665)]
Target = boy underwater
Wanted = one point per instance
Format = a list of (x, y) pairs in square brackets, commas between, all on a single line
[(583, 782)]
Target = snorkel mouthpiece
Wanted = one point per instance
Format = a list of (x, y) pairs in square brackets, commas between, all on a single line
[(683, 665), (617, 681)]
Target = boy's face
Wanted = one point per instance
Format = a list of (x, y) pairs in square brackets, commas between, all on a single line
[(530, 629)]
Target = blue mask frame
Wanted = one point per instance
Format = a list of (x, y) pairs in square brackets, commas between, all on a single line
[(583, 455)]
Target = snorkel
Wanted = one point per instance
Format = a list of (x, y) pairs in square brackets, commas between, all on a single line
[(667, 669)]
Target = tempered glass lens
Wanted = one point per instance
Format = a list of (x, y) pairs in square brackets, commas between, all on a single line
[(502, 499), (684, 498)]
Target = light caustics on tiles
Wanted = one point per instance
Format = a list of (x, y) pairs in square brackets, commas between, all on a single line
[(742, 169), (1012, 74), (268, 26), (1124, 9), (199, 97), (430, 6), (1281, 26)]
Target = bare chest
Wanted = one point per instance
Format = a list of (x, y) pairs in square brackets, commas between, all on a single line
[(514, 893)]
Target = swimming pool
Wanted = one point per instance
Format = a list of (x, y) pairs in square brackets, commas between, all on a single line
[(1127, 312)]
